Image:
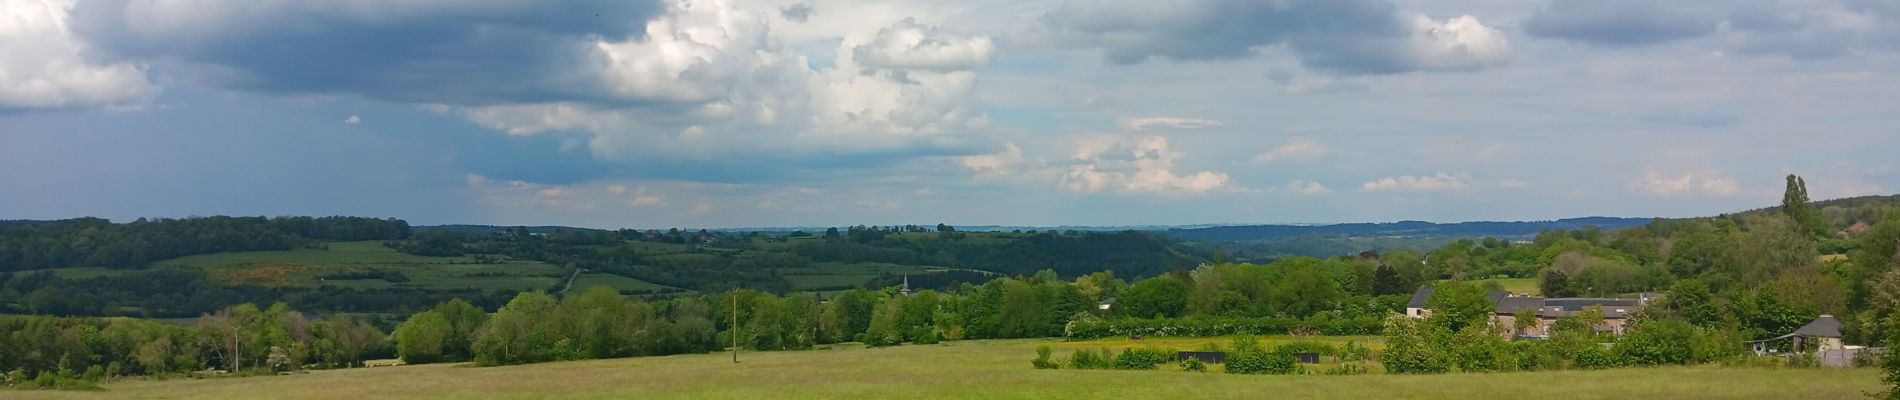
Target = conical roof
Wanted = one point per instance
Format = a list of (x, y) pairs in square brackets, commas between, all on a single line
[(1823, 326)]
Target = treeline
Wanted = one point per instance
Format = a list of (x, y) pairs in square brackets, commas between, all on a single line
[(98, 242), (185, 292), (720, 261), (1322, 296), (47, 352)]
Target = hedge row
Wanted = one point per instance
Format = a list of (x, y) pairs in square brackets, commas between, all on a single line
[(1093, 328)]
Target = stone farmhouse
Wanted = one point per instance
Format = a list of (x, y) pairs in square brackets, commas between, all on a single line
[(1616, 311)]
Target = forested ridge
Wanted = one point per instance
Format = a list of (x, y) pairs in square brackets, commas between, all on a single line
[(98, 242)]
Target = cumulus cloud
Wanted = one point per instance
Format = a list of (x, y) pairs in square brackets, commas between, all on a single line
[(45, 66), (1307, 188), (1295, 150), (1346, 36), (1154, 123), (1436, 182), (909, 45), (352, 120), (725, 87), (1134, 165)]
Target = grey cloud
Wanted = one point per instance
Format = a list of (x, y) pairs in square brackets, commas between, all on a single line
[(456, 52), (800, 12), (1349, 36), (1623, 22), (1799, 29)]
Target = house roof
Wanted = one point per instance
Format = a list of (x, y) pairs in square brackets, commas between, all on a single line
[(1425, 292), (1823, 326), (1511, 305), (1419, 296)]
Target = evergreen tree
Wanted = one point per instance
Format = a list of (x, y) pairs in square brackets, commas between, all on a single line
[(1386, 281), (1794, 203)]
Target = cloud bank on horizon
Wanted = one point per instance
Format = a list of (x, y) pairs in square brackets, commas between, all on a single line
[(730, 113)]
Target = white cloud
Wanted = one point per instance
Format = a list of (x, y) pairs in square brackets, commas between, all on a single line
[(1514, 183), (703, 208), (1142, 164), (1295, 150), (1435, 182), (730, 88), (909, 45), (1153, 123), (45, 67), (352, 120), (1454, 44), (616, 188), (1707, 182), (1306, 188), (647, 200), (1000, 163)]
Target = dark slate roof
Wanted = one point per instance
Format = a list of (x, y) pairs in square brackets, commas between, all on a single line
[(1511, 305), (1823, 326), (1578, 304), (1425, 292), (1419, 296)]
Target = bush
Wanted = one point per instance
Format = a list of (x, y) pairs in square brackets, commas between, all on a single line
[(1596, 357), (1085, 359), (1257, 361), (1309, 347), (1193, 364), (1410, 348), (1658, 342), (1142, 358), (1042, 360)]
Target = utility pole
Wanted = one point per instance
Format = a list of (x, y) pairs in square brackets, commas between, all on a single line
[(735, 326)]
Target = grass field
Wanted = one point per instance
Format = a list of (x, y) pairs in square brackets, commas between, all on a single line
[(968, 370), (585, 281), (832, 274), (311, 267)]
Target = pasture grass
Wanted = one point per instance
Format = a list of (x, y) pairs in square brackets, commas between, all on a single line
[(968, 370), (586, 281)]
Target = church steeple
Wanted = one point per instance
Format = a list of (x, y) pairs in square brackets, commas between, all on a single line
[(906, 287)]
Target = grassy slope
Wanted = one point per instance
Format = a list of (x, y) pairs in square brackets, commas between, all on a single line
[(969, 370)]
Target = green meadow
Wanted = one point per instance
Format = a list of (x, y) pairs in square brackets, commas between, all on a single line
[(997, 369)]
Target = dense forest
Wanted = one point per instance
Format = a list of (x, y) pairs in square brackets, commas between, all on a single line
[(95, 242)]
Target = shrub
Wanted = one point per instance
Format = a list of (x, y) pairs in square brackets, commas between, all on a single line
[(1409, 348), (1193, 364), (1142, 358), (1256, 361), (1086, 359), (1042, 360), (1658, 342), (1596, 357), (1309, 347)]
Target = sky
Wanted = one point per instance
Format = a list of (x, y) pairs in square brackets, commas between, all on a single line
[(754, 113)]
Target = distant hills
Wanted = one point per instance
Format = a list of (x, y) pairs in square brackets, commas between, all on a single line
[(1397, 229)]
